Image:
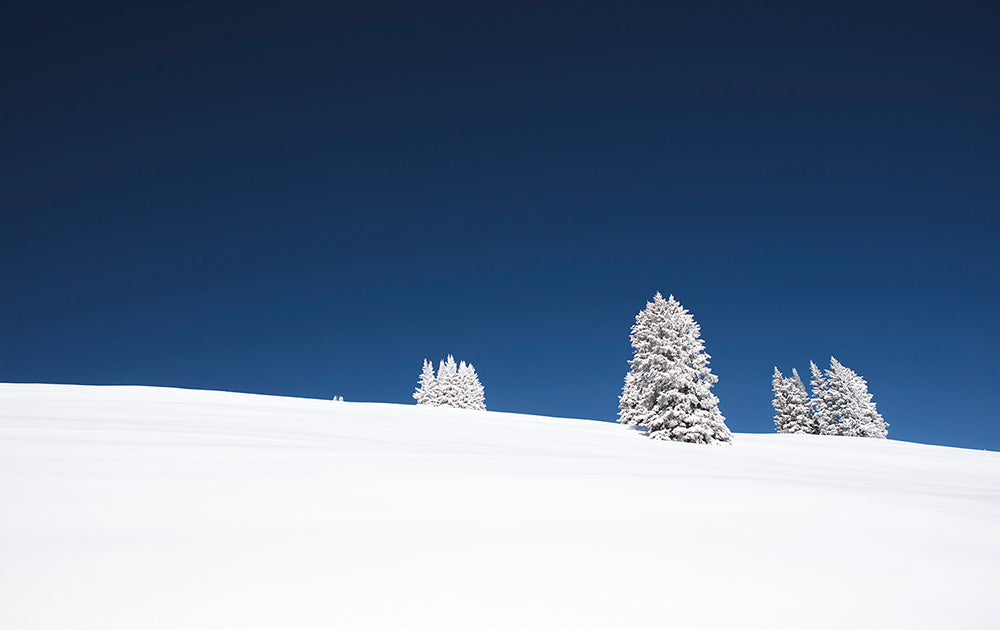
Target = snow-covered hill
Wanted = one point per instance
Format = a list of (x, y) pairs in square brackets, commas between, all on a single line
[(135, 507)]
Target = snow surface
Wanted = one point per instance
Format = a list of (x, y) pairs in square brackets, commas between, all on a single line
[(137, 507)]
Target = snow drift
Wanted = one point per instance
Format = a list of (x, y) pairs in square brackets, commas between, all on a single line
[(135, 507)]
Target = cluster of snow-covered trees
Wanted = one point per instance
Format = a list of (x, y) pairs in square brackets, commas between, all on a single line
[(840, 404), (454, 385), (793, 411), (668, 388)]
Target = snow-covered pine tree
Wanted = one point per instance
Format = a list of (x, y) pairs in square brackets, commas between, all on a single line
[(849, 405), (425, 393), (799, 406), (668, 388), (462, 378), (792, 411), (473, 393), (820, 393), (477, 392), (873, 425), (780, 387), (448, 391)]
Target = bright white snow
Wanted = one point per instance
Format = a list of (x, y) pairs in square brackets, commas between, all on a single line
[(134, 507)]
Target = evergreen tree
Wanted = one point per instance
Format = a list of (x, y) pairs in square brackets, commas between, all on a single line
[(849, 405), (800, 409), (793, 413), (872, 423), (462, 378), (668, 388), (474, 397), (425, 393), (780, 387), (448, 389), (820, 392)]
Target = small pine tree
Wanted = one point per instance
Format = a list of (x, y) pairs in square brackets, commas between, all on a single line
[(820, 393), (872, 423), (849, 405), (462, 379), (474, 397), (800, 408), (780, 387), (425, 393), (793, 413), (448, 389), (668, 388)]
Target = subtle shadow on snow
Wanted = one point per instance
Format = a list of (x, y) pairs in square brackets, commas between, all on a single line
[(641, 429)]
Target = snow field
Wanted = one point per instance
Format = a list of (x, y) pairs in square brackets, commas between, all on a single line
[(136, 507)]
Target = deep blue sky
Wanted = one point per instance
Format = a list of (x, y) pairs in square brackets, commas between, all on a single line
[(310, 201)]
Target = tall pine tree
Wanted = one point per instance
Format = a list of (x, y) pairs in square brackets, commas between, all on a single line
[(425, 393), (473, 390), (668, 388), (849, 406), (448, 390), (780, 387), (800, 407), (820, 394), (792, 411)]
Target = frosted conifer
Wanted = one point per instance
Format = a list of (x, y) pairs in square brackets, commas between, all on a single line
[(449, 391), (668, 388), (780, 389), (799, 405), (818, 400), (474, 397), (792, 411), (425, 393), (849, 406), (462, 378)]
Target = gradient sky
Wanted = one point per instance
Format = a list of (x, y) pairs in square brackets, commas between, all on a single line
[(310, 201)]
